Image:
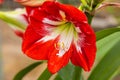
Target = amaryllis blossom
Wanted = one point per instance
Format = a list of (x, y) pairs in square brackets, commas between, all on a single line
[(16, 19), (32, 2), (59, 33)]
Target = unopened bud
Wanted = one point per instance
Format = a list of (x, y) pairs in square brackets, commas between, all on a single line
[(32, 2)]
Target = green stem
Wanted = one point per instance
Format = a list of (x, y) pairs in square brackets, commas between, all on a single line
[(45, 75), (77, 73), (25, 71), (58, 77), (90, 17)]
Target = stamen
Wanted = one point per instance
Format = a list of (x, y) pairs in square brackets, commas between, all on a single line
[(56, 23), (61, 47), (63, 15)]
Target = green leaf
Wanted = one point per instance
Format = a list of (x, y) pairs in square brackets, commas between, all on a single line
[(108, 65), (116, 73), (58, 77), (106, 32), (70, 72), (105, 44), (66, 72), (26, 70), (45, 75), (106, 39), (77, 73)]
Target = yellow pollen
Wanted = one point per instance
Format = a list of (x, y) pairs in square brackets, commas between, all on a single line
[(59, 45)]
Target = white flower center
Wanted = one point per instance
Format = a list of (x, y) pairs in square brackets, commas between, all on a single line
[(66, 31)]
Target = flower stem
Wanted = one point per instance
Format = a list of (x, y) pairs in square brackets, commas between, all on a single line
[(77, 73), (90, 17)]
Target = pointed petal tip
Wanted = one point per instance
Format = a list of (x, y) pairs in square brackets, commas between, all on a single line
[(19, 33), (55, 62), (53, 69), (87, 69)]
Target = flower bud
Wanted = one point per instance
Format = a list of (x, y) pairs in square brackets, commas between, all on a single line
[(32, 2), (16, 19)]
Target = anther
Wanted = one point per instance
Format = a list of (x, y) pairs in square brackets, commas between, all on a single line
[(59, 45)]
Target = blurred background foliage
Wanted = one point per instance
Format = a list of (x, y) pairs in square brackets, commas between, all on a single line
[(73, 2), (9, 5)]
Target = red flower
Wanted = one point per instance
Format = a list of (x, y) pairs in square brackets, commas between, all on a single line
[(59, 33)]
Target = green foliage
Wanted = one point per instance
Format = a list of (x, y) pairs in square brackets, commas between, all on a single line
[(106, 32), (72, 2), (77, 74), (26, 70), (66, 72), (69, 72), (106, 39), (108, 65), (108, 44), (58, 78), (45, 75)]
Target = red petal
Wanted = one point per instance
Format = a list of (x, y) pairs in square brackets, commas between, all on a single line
[(29, 38), (31, 45), (86, 57), (34, 32), (39, 50), (72, 13), (48, 10), (53, 8), (19, 33), (78, 59), (55, 62)]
